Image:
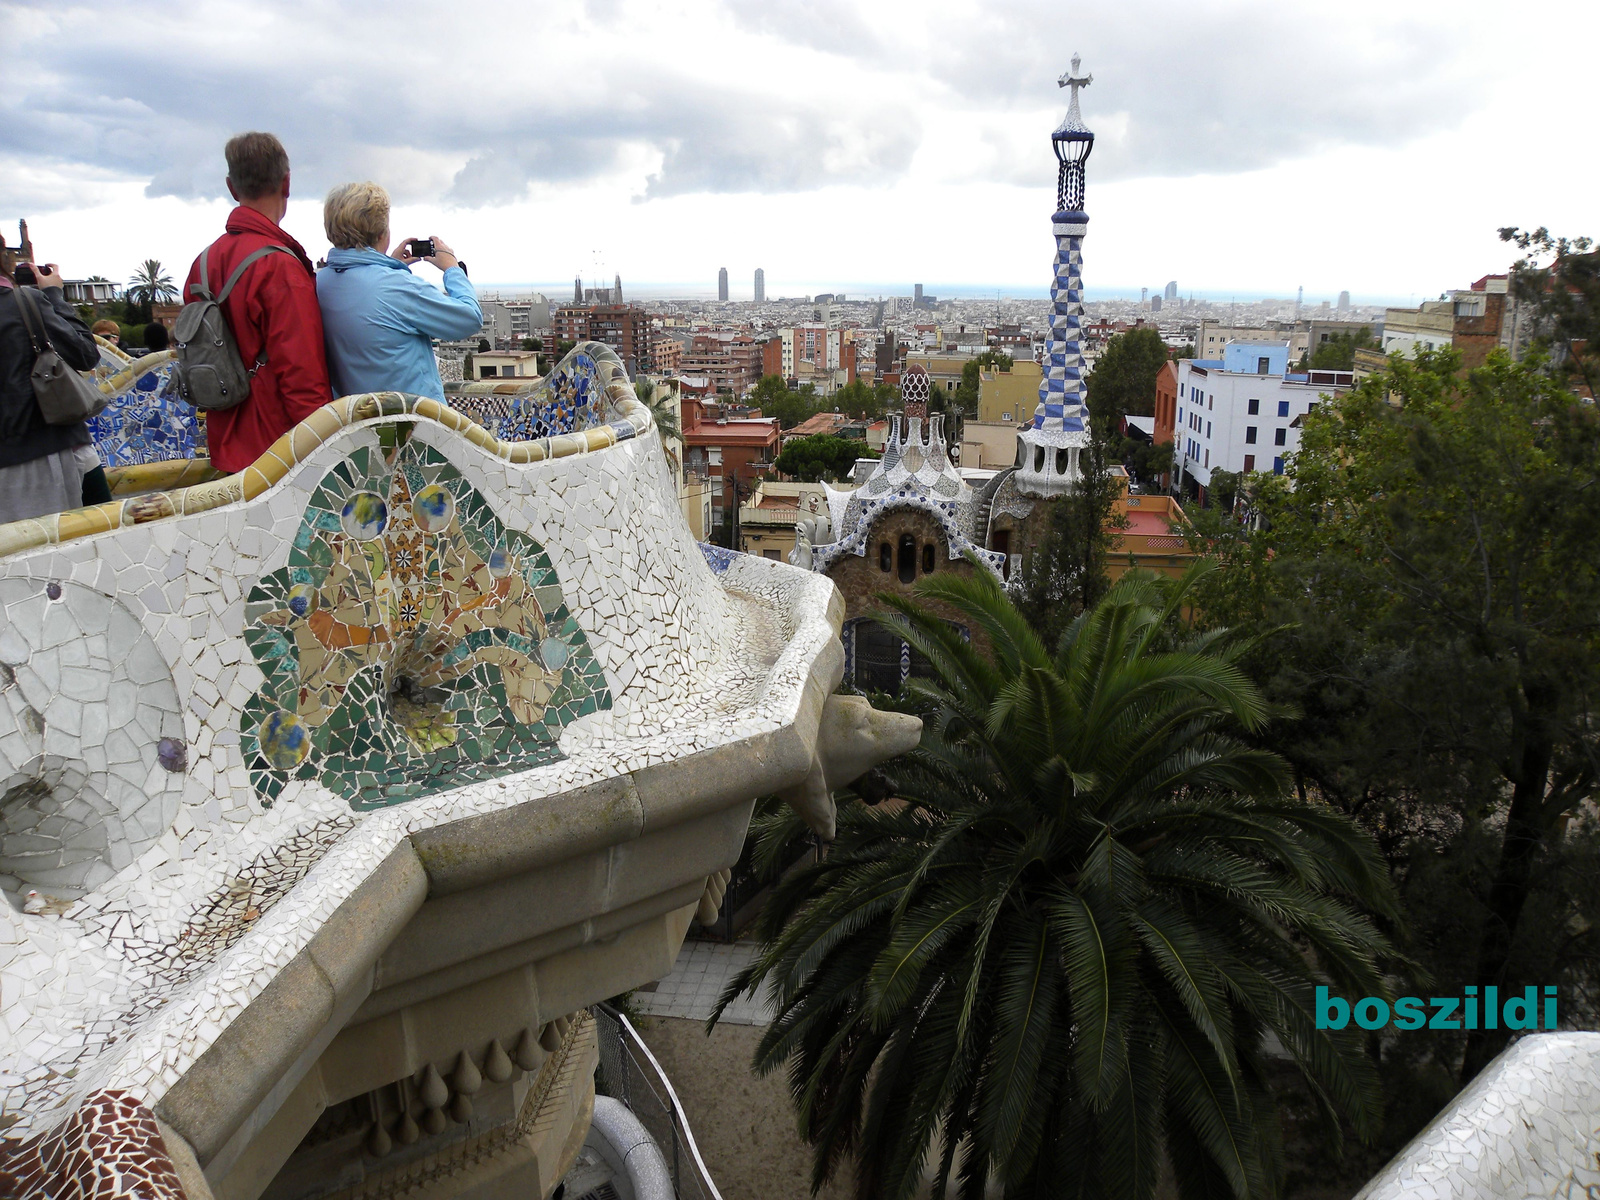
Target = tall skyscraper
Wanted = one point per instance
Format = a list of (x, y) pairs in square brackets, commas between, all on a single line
[(1171, 293), (722, 283), (1049, 446), (577, 289), (761, 286), (916, 294), (1344, 301), (616, 291), (1155, 304)]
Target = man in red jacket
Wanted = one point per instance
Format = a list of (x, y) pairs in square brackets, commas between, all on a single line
[(272, 310)]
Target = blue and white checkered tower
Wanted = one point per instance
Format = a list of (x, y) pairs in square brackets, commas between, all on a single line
[(1047, 450)]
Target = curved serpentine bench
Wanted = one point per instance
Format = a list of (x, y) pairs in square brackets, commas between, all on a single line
[(1528, 1125), (358, 769)]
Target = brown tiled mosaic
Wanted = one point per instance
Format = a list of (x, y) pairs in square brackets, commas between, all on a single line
[(109, 1149)]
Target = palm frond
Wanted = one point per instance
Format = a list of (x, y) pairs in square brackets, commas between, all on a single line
[(1053, 961)]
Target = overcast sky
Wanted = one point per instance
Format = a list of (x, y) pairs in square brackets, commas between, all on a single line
[(1242, 147)]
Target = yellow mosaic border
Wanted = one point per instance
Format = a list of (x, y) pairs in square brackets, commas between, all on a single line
[(160, 476), (292, 449)]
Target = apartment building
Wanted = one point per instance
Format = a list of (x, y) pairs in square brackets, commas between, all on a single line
[(507, 321), (731, 452), (1429, 326), (730, 360), (666, 355), (1212, 336), (813, 353), (944, 370), (1243, 411), (1009, 395), (624, 328)]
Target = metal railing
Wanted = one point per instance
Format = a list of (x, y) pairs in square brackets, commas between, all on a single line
[(630, 1073)]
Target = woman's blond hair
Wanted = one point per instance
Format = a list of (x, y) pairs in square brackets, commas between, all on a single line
[(356, 215)]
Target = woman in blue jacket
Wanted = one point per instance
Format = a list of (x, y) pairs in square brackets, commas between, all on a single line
[(378, 318)]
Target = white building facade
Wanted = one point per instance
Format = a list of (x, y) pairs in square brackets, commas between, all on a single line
[(1429, 326), (1243, 412)]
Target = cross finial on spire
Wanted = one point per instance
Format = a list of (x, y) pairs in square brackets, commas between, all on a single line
[(1071, 79)]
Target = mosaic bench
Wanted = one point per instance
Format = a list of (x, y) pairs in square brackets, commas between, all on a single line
[(1527, 1126), (354, 773), (145, 422)]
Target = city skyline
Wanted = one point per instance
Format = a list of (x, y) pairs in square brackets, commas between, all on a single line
[(1224, 158), (856, 290)]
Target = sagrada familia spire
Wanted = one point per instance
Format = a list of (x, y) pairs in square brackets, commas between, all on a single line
[(1047, 450)]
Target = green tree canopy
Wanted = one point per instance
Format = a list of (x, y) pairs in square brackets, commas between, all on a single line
[(1338, 353), (1062, 949), (774, 397), (821, 456), (1432, 544), (858, 400), (1065, 574), (1564, 295), (1124, 379), (1147, 459), (151, 284)]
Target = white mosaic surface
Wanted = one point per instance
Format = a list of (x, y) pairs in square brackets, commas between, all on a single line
[(125, 986), (1528, 1126), (85, 698), (697, 981)]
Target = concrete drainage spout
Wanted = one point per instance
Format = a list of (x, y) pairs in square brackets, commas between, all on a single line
[(852, 738)]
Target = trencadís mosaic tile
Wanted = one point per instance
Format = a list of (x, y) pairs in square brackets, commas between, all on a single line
[(413, 643), (146, 420), (152, 895)]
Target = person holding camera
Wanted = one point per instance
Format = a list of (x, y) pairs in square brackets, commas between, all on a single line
[(380, 319), (42, 466)]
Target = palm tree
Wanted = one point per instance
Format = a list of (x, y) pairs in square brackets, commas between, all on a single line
[(657, 397), (1055, 962), (151, 285)]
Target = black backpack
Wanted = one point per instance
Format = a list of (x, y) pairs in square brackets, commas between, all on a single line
[(209, 372)]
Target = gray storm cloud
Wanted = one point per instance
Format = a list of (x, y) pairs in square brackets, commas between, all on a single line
[(151, 94)]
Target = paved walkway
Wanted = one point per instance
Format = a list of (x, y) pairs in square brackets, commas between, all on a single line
[(703, 969)]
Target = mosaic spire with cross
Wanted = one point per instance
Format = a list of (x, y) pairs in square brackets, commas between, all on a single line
[(1060, 416)]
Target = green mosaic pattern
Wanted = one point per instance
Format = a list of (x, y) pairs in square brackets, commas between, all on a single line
[(413, 644)]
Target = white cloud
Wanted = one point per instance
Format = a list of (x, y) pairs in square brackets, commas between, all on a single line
[(1241, 143)]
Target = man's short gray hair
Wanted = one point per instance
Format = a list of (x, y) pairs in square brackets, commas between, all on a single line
[(356, 215), (257, 164)]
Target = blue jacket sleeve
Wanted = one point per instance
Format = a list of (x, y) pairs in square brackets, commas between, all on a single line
[(452, 315)]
